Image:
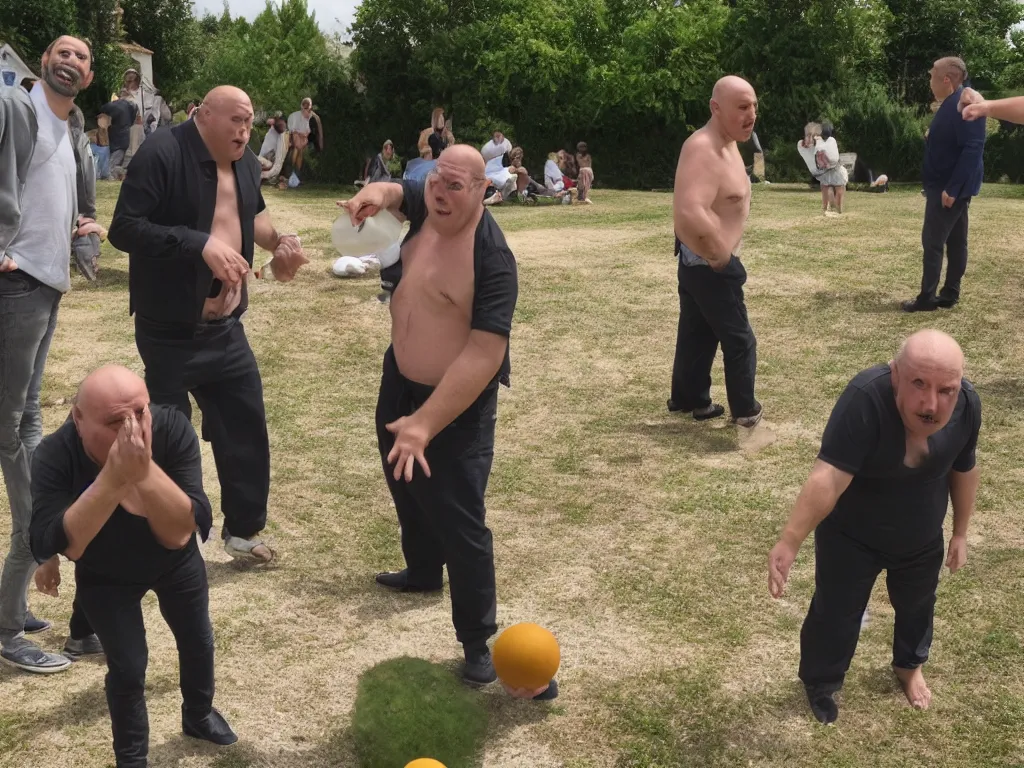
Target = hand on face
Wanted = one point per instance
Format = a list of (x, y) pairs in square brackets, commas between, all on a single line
[(130, 454)]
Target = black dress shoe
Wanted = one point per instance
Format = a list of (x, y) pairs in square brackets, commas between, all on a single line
[(946, 300), (399, 581), (823, 703), (213, 728), (550, 694), (479, 669), (916, 305)]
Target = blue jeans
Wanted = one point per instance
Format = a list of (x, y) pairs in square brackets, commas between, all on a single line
[(102, 155), (28, 315)]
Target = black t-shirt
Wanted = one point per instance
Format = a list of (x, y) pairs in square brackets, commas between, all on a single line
[(122, 117), (889, 506), (125, 551), (438, 143), (495, 277)]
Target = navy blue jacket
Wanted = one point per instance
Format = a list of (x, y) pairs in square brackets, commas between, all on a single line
[(953, 154)]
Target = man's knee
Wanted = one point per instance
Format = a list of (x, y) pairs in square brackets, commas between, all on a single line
[(126, 673), (10, 432)]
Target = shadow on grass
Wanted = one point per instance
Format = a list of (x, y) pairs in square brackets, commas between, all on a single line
[(864, 302), (683, 431), (109, 277)]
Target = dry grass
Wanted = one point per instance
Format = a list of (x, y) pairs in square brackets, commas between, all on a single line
[(637, 537)]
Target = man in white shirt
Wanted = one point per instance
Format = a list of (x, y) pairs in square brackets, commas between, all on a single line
[(298, 126), (38, 220)]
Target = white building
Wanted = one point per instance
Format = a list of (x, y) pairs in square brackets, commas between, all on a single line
[(12, 69)]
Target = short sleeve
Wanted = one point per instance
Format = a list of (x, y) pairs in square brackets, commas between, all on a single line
[(966, 460), (182, 461), (53, 493), (852, 432), (414, 206), (496, 292)]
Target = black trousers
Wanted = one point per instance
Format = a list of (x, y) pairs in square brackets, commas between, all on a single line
[(944, 233), (712, 312), (79, 625), (214, 362), (115, 612), (844, 574), (442, 517)]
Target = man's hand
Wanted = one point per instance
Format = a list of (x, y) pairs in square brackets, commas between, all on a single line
[(947, 201), (8, 264), (48, 577), (972, 104), (780, 560), (288, 257), (227, 264), (411, 440), (957, 553), (368, 202), (129, 456), (87, 226)]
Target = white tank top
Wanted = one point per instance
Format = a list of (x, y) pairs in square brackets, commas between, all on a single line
[(49, 202)]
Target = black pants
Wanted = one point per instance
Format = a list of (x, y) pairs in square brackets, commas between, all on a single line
[(712, 312), (944, 230), (79, 625), (442, 517), (215, 363), (115, 612), (844, 574)]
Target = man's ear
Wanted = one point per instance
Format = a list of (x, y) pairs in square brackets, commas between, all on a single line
[(87, 80)]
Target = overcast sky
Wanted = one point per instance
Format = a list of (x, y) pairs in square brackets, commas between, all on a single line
[(331, 15)]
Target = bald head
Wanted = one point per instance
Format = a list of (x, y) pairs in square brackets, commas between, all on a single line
[(465, 158), (108, 386), (226, 97), (730, 88), (931, 349)]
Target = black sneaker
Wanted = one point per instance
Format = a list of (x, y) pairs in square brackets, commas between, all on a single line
[(399, 581), (550, 694), (823, 703), (34, 626), (479, 669), (916, 305), (946, 300)]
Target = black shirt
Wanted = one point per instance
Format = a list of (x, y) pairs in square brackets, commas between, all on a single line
[(438, 143), (122, 117), (125, 551), (495, 278), (163, 218), (889, 506)]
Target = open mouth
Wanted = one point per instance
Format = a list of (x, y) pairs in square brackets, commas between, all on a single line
[(926, 418), (66, 76)]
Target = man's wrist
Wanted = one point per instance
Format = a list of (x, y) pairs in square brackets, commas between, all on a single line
[(792, 538)]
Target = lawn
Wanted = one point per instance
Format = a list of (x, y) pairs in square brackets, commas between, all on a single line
[(638, 537)]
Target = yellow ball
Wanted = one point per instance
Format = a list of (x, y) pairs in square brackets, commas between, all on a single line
[(526, 656), (424, 762)]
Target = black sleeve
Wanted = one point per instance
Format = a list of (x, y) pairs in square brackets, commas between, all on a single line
[(495, 293), (966, 460), (141, 197), (852, 432), (414, 206), (183, 464), (52, 494), (106, 109)]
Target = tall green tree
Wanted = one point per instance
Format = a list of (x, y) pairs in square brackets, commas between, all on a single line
[(171, 31)]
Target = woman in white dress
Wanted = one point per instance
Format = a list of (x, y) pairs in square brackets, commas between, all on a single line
[(820, 152)]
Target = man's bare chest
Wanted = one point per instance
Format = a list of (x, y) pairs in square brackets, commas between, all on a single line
[(437, 271)]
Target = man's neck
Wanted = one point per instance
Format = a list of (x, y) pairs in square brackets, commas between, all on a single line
[(719, 136), (61, 106)]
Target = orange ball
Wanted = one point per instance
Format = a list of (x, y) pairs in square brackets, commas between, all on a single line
[(424, 762), (526, 656)]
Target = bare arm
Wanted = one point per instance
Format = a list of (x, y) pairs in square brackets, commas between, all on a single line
[(265, 234), (1011, 109), (90, 512), (168, 509), (696, 188), (817, 498), (465, 379), (963, 490)]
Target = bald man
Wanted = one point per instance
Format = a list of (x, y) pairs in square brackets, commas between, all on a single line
[(454, 294), (899, 445), (951, 175), (188, 215), (711, 205), (119, 490)]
